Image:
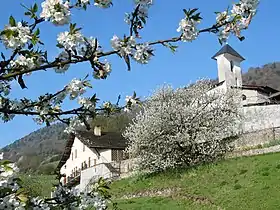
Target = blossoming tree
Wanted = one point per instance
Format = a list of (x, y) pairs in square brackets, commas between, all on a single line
[(25, 55), (184, 127)]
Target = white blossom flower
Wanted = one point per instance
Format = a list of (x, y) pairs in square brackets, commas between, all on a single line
[(24, 63), (75, 88), (189, 30), (124, 47), (70, 41), (127, 18), (4, 88), (222, 17), (89, 46), (86, 103), (63, 56), (85, 1), (57, 11), (103, 3), (107, 105), (103, 71), (75, 124), (130, 99), (224, 35), (245, 7), (143, 53), (15, 36), (144, 2)]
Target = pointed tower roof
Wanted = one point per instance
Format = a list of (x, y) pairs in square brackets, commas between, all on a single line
[(229, 50)]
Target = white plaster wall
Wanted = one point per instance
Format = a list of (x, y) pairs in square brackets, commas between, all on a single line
[(253, 97), (231, 77), (94, 172), (261, 117), (105, 156)]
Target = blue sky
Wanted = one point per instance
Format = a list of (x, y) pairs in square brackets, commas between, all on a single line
[(192, 61)]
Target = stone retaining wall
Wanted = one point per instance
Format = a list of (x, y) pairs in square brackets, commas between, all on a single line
[(256, 138)]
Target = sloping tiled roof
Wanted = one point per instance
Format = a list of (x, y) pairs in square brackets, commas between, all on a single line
[(264, 89), (66, 153), (229, 50), (109, 140)]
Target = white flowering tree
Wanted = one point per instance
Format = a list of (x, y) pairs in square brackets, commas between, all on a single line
[(184, 127), (25, 55)]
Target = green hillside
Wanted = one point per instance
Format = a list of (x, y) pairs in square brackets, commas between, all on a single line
[(242, 183)]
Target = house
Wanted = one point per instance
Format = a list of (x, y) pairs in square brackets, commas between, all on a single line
[(230, 76), (90, 154)]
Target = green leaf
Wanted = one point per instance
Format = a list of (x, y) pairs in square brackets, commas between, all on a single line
[(12, 21), (35, 8), (143, 19), (27, 13), (87, 84), (37, 32), (192, 11)]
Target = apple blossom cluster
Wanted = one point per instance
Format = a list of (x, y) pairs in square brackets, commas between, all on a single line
[(15, 36), (70, 40), (86, 103), (143, 7), (188, 28), (139, 52), (245, 7), (103, 3), (13, 197), (183, 127), (4, 88), (104, 70), (85, 1), (75, 88), (62, 57), (237, 19), (24, 62), (9, 186), (75, 124), (56, 11)]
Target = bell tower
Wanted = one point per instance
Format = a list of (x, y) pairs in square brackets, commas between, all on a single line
[(229, 69)]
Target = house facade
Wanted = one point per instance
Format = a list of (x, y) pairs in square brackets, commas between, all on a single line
[(90, 154)]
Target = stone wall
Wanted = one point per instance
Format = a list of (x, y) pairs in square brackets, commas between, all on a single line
[(261, 117), (255, 138)]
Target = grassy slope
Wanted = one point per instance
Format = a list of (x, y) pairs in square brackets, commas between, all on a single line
[(38, 185), (243, 183)]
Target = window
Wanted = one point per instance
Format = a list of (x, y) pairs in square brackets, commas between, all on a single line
[(64, 166), (117, 155), (76, 153), (94, 162), (244, 97), (89, 162), (84, 147), (231, 66), (72, 156)]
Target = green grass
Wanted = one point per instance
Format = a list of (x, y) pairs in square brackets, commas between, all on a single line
[(242, 183), (38, 185)]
